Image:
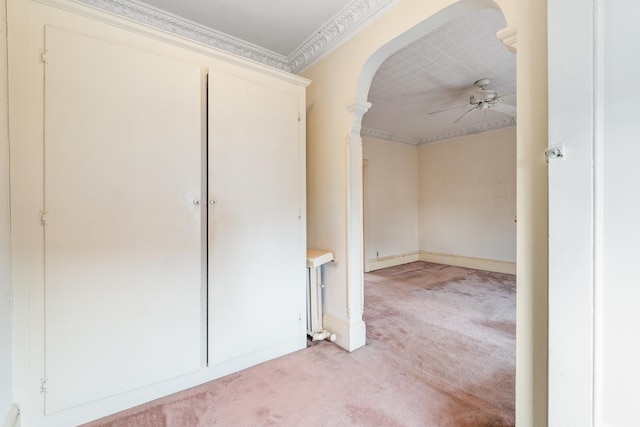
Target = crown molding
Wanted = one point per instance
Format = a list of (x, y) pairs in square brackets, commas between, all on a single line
[(485, 127), (411, 140), (347, 23), (149, 15), (354, 17), (390, 136)]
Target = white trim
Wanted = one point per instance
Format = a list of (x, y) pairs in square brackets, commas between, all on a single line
[(411, 140), (486, 127), (158, 18), (391, 261), (119, 20), (355, 233), (344, 25), (598, 212), (349, 335), (509, 37), (390, 136), (495, 265)]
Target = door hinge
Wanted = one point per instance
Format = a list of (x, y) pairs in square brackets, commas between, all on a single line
[(298, 116), (44, 56), (43, 385), (43, 217)]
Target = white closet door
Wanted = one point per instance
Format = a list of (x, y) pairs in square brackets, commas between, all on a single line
[(256, 262), (123, 273)]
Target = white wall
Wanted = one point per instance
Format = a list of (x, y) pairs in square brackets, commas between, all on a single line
[(593, 214), (617, 214), (5, 240), (467, 196), (571, 213), (391, 203)]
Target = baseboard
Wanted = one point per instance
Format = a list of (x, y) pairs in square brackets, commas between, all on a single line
[(262, 355), (391, 261), (470, 262), (13, 417), (349, 335)]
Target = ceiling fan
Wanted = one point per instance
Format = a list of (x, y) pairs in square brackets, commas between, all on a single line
[(484, 100)]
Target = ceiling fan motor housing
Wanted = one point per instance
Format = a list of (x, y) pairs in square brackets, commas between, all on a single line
[(490, 97)]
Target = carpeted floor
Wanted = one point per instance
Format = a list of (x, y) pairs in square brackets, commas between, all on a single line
[(440, 352)]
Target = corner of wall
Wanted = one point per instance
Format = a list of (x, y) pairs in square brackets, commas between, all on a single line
[(349, 335)]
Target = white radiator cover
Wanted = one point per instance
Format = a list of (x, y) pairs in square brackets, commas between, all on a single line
[(315, 260)]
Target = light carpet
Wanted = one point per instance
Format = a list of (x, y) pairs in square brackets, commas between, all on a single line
[(440, 352)]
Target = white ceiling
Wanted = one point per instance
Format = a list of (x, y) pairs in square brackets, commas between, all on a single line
[(433, 73)]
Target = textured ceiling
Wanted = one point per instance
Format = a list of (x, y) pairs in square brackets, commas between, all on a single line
[(438, 72)]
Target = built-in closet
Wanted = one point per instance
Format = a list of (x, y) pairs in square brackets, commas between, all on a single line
[(159, 201)]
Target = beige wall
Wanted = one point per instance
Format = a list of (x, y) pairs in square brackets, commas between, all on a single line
[(453, 201), (334, 147), (391, 200), (467, 196), (346, 74), (532, 135), (5, 239)]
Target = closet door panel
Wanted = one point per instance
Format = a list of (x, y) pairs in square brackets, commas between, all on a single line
[(256, 277), (123, 237)]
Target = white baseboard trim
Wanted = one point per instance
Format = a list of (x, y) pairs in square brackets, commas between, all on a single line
[(349, 335), (13, 417), (390, 261), (470, 262)]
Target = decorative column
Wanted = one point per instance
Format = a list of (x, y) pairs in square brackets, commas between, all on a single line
[(355, 239)]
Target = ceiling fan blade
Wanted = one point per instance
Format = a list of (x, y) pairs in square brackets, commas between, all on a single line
[(465, 113), (504, 108), (449, 109)]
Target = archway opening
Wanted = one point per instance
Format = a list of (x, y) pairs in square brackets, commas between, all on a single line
[(400, 200)]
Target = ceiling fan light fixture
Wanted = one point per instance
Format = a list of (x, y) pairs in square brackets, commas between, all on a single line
[(490, 95), (483, 100), (483, 83)]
